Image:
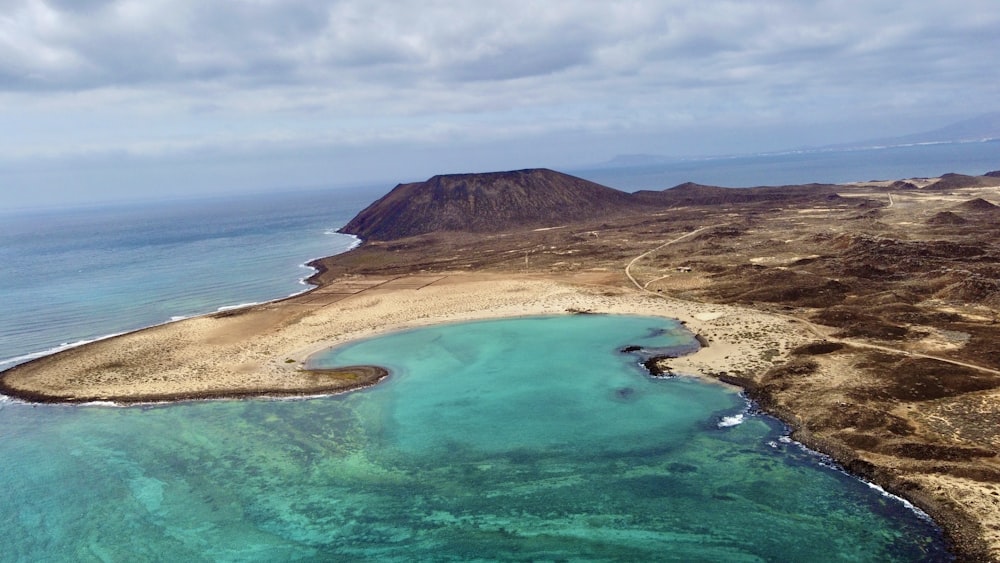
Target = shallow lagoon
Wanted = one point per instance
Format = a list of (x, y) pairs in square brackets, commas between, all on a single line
[(517, 439)]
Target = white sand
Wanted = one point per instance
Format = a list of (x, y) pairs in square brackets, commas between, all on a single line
[(266, 347)]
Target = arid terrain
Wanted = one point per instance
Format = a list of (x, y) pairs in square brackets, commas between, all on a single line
[(864, 315)]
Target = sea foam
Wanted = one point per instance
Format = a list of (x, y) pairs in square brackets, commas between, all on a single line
[(54, 350), (830, 463), (729, 421), (240, 306)]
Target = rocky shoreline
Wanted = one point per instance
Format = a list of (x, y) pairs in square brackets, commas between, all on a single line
[(961, 530)]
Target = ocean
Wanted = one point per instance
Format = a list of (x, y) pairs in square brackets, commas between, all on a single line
[(73, 275), (807, 166), (92, 483)]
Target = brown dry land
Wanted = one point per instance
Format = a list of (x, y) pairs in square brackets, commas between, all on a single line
[(865, 318)]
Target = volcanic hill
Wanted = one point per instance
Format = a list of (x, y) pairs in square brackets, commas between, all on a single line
[(977, 205), (486, 202), (952, 181), (500, 201), (690, 193)]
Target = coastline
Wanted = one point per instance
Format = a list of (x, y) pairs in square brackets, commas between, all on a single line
[(308, 283), (263, 350), (960, 529)]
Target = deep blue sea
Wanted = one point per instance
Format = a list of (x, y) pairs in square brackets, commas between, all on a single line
[(73, 275), (264, 480)]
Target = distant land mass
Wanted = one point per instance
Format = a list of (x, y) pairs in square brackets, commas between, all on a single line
[(981, 128), (985, 127), (632, 160)]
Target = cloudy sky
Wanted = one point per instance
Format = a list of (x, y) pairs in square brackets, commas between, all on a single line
[(104, 99)]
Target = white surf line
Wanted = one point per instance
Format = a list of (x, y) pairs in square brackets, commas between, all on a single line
[(628, 268)]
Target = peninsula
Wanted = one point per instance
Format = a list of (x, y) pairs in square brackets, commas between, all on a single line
[(864, 315)]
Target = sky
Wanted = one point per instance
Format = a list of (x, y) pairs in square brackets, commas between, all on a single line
[(134, 99)]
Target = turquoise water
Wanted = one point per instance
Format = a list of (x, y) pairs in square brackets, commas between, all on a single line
[(520, 439)]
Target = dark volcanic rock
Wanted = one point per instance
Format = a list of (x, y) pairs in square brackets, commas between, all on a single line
[(955, 181), (902, 185), (972, 288), (782, 286), (656, 368), (488, 202), (931, 451), (501, 201), (697, 194), (924, 379), (946, 218), (881, 258), (978, 204), (817, 348), (993, 174)]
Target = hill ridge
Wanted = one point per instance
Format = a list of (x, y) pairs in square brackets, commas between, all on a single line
[(486, 202)]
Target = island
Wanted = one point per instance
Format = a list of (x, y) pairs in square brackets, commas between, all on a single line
[(863, 315)]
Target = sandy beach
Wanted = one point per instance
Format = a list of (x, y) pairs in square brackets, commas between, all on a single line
[(263, 350)]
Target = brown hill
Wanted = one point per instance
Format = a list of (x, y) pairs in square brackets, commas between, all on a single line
[(698, 194), (953, 181), (946, 218), (973, 289), (487, 202), (680, 194), (978, 204)]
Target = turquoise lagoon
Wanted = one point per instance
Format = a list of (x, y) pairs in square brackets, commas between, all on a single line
[(521, 439)]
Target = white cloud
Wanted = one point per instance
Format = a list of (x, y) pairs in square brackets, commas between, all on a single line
[(163, 77), (409, 44)]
